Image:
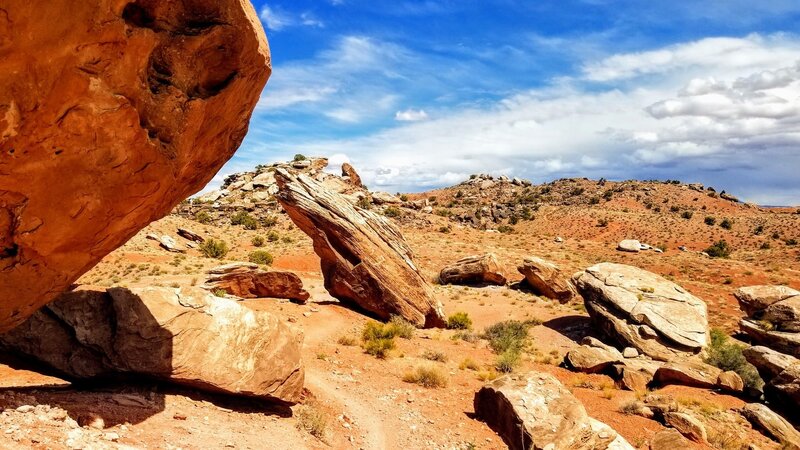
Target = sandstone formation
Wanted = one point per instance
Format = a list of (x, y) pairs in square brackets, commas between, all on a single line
[(352, 176), (186, 336), (755, 299), (535, 411), (365, 260), (774, 425), (110, 114), (780, 372), (473, 270), (547, 279), (246, 280), (639, 309), (629, 245)]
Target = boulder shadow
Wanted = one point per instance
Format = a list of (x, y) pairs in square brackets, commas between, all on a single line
[(573, 327)]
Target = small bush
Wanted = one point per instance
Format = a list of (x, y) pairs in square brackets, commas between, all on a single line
[(602, 223), (401, 328), (270, 221), (433, 355), (261, 257), (728, 355), (687, 214), (404, 198), (213, 248), (469, 363), (347, 341), (426, 376), (220, 293), (459, 321), (379, 348), (392, 211), (507, 335), (364, 203), (244, 219), (791, 242), (720, 249), (726, 224), (273, 236), (313, 420), (505, 229), (299, 157), (710, 221), (758, 230), (257, 241), (507, 361), (203, 217), (378, 338)]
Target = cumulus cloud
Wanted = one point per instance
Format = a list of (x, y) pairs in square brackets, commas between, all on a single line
[(276, 19), (411, 115)]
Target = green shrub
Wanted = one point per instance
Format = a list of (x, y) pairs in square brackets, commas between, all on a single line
[(299, 157), (758, 230), (459, 321), (244, 219), (687, 214), (720, 249), (364, 203), (727, 355), (212, 248), (404, 198), (203, 217), (710, 221), (261, 257), (507, 361), (791, 242), (270, 221), (273, 236), (507, 335), (426, 376), (433, 355), (219, 292), (378, 338), (401, 328), (392, 212), (379, 348), (505, 229), (257, 241), (726, 224)]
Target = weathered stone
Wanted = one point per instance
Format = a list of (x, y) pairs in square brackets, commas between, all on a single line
[(781, 373), (784, 315), (669, 439), (632, 379), (547, 279), (630, 245), (768, 362), (755, 299), (688, 373), (535, 411), (591, 359), (730, 381), (352, 176), (784, 342), (383, 198), (111, 112), (190, 235), (481, 269), (248, 281), (365, 260), (630, 352), (640, 309), (688, 426), (772, 424), (186, 336)]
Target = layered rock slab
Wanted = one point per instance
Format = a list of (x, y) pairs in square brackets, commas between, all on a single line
[(245, 280), (365, 259), (186, 336), (473, 270), (640, 309), (111, 112), (547, 279)]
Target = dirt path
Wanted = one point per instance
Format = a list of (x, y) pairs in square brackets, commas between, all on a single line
[(328, 327)]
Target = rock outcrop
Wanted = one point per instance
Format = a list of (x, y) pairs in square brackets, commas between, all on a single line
[(753, 300), (772, 424), (186, 336), (365, 259), (781, 375), (473, 270), (352, 176), (546, 279), (535, 411), (639, 309), (246, 280), (110, 114)]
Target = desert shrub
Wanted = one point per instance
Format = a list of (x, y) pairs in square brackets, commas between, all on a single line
[(401, 328), (727, 355), (459, 321), (791, 242), (507, 335), (426, 376), (312, 419), (444, 212), (507, 361), (212, 248), (602, 223), (220, 293), (765, 246), (270, 221), (445, 230), (261, 257), (469, 363), (244, 219), (299, 157), (347, 341), (404, 198), (379, 347), (674, 208), (506, 229), (758, 230), (364, 203), (433, 355), (257, 241), (594, 200), (203, 217), (720, 249), (687, 214), (608, 194), (392, 212), (710, 221), (273, 236), (726, 224)]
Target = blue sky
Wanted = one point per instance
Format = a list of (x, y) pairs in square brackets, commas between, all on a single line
[(420, 94)]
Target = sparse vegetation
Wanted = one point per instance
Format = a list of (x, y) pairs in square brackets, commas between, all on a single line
[(392, 211), (426, 376), (727, 355), (719, 249), (312, 419), (212, 248), (299, 157), (203, 217), (244, 219), (433, 355), (261, 257), (459, 321), (257, 241), (710, 221), (687, 214), (726, 224)]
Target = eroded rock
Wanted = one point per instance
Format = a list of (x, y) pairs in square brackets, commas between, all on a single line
[(186, 336), (127, 108), (245, 280), (473, 270), (755, 299), (547, 279)]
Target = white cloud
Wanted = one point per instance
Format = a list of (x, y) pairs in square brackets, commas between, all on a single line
[(277, 19), (411, 115)]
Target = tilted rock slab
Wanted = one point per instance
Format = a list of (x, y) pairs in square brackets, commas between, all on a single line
[(186, 336), (248, 281), (547, 279), (780, 372), (111, 112), (643, 310), (365, 260), (782, 341), (753, 300), (774, 425), (535, 411), (477, 269)]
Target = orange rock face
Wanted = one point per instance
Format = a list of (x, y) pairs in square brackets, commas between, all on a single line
[(111, 112)]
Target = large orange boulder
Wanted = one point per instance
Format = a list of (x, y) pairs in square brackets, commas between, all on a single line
[(111, 112), (366, 262)]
